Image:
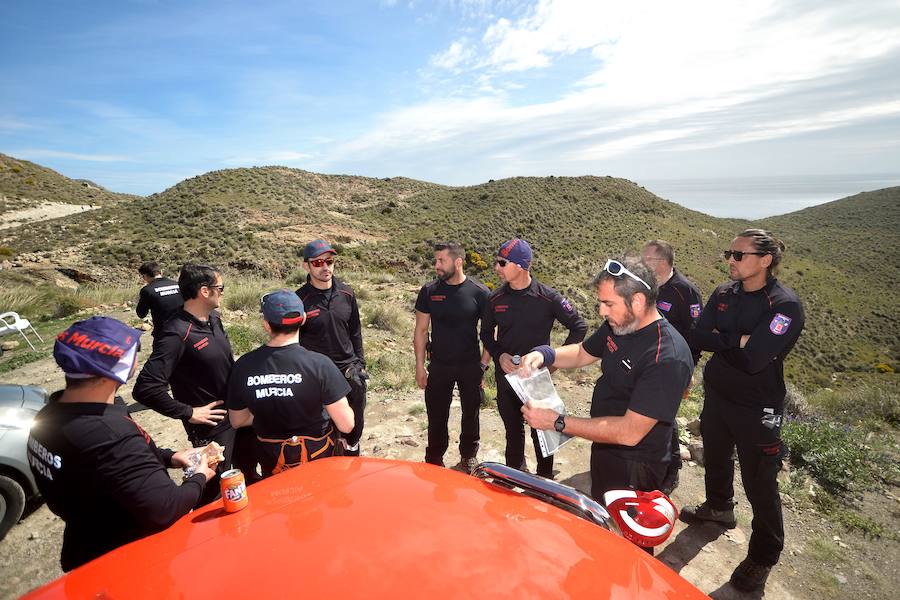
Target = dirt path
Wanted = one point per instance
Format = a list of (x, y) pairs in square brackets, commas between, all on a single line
[(815, 563), (42, 212)]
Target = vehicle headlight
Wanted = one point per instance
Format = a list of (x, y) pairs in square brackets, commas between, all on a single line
[(16, 418)]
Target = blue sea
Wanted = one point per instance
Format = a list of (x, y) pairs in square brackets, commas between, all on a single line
[(759, 197)]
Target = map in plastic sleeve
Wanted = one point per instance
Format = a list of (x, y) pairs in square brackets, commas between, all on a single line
[(538, 390)]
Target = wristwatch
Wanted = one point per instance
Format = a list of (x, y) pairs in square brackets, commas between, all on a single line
[(560, 423), (516, 360)]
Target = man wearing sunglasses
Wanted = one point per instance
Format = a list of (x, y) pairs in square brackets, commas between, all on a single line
[(750, 325), (193, 356), (646, 367), (680, 303), (519, 316), (451, 306), (333, 328)]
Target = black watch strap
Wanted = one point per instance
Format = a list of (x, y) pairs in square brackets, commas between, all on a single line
[(560, 423)]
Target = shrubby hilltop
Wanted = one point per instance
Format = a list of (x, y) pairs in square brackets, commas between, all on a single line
[(842, 257)]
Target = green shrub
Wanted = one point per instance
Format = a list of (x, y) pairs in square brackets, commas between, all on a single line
[(6, 252), (245, 338), (386, 317)]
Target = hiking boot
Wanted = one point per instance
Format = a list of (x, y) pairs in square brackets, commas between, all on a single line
[(703, 513), (467, 465), (750, 576)]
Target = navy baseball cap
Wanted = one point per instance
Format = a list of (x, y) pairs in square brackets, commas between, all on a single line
[(517, 251), (282, 307), (97, 347), (315, 248)]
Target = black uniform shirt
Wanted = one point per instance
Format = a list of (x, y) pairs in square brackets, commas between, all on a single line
[(194, 358), (286, 389), (646, 371), (332, 324), (679, 301), (524, 319), (454, 312), (773, 317), (162, 298), (104, 476)]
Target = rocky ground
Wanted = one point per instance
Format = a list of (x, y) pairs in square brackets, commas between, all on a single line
[(819, 561)]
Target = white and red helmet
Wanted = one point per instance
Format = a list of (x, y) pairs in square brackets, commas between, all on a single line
[(645, 518)]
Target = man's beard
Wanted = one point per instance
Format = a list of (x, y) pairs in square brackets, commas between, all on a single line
[(444, 275), (629, 326)]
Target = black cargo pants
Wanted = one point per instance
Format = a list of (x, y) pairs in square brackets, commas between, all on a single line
[(438, 396)]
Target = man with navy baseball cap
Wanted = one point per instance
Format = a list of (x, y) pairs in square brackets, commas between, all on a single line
[(97, 469), (519, 316), (293, 398)]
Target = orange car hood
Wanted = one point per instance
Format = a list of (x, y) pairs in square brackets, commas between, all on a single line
[(371, 528)]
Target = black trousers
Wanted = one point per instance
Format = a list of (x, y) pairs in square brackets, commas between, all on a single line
[(612, 472), (438, 395), (357, 400), (510, 407), (757, 435)]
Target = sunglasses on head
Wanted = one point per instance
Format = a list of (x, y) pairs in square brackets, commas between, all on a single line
[(738, 255), (320, 262), (617, 269)]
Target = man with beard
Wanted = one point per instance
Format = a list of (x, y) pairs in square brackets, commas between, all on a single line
[(519, 316), (646, 367), (451, 305), (333, 328)]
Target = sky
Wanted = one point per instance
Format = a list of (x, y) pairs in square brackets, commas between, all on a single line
[(139, 95)]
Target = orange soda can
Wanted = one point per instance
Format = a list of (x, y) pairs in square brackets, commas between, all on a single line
[(234, 490)]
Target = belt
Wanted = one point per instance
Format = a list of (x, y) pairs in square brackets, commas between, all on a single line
[(299, 440)]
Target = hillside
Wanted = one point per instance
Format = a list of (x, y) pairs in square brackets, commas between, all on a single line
[(24, 184), (256, 220)]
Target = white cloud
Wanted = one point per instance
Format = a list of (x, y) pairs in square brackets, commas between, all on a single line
[(454, 56), (39, 154)]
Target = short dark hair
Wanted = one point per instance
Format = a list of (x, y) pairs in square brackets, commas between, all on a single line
[(193, 277), (150, 269), (627, 287), (452, 248), (664, 250), (764, 241), (282, 329)]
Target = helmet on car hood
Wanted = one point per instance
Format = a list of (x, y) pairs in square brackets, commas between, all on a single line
[(645, 518)]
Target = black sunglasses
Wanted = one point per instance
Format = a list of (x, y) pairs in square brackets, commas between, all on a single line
[(221, 288), (502, 262), (738, 255)]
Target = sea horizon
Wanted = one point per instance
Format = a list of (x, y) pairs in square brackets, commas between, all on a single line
[(755, 198)]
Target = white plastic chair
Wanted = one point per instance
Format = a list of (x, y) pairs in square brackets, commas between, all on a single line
[(10, 322)]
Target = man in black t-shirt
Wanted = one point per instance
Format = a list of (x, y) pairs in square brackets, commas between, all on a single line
[(679, 302), (333, 328), (646, 367), (161, 297), (290, 396), (452, 305), (519, 315)]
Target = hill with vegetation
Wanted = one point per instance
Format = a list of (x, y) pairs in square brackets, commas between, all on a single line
[(24, 184), (842, 257)]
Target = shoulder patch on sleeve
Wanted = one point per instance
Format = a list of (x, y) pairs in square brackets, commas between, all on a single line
[(665, 306), (567, 306), (779, 324), (695, 310)]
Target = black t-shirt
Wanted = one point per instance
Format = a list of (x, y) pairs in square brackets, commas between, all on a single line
[(773, 317), (286, 389), (679, 301), (454, 311), (162, 299), (646, 371), (332, 324), (104, 476)]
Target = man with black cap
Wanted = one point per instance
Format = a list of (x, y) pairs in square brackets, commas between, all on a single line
[(96, 468), (333, 328), (290, 396), (192, 354), (519, 316), (161, 297)]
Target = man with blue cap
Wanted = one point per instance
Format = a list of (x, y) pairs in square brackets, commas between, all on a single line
[(519, 316), (293, 398), (96, 468)]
